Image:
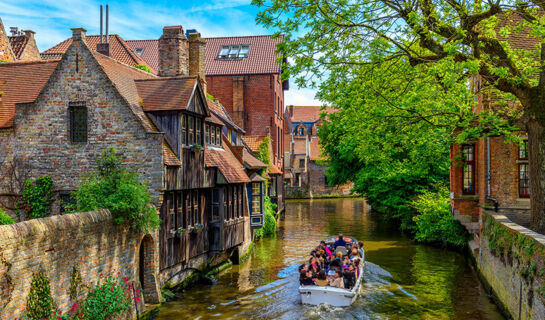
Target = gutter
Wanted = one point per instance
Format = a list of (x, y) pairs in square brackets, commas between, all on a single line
[(489, 176)]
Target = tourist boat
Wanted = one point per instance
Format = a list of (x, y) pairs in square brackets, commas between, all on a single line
[(337, 297)]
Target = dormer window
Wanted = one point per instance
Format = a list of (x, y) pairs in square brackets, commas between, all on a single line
[(139, 50), (234, 51)]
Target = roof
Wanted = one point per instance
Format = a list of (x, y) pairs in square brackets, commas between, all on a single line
[(262, 58), (22, 82), (250, 161), (254, 142), (519, 39), (222, 115), (227, 163), (119, 50), (123, 78), (50, 55), (169, 158), (273, 169), (164, 94), (308, 113), (18, 44), (150, 51), (214, 119), (257, 178)]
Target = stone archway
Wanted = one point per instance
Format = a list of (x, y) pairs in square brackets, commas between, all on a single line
[(147, 270)]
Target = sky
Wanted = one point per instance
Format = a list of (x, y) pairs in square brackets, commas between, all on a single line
[(52, 20)]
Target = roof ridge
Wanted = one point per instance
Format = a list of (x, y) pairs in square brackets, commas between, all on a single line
[(254, 36), (93, 52), (166, 78), (128, 48), (11, 63)]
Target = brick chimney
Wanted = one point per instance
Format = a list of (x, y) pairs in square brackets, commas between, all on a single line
[(196, 55), (173, 52), (104, 48), (79, 34)]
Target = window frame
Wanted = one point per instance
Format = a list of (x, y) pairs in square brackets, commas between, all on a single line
[(198, 131), (468, 164), (524, 171), (207, 133), (83, 133), (218, 136)]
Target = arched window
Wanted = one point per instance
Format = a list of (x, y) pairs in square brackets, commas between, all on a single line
[(301, 131)]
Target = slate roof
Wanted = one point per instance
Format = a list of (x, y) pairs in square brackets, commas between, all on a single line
[(119, 50), (18, 44), (164, 94), (261, 58), (21, 82), (226, 162)]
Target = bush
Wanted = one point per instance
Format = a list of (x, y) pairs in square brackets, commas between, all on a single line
[(269, 226), (5, 219), (37, 197), (434, 223), (107, 300), (113, 187), (143, 67), (39, 302)]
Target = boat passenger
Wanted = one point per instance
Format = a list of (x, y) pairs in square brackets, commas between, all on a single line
[(340, 241), (337, 280), (360, 249), (314, 265), (354, 254), (346, 262), (325, 248), (304, 266), (356, 263), (321, 259), (349, 277), (336, 263), (322, 279), (305, 278)]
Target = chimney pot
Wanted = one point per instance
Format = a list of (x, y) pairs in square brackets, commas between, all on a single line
[(78, 34)]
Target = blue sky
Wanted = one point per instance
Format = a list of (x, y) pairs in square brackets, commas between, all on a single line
[(52, 20)]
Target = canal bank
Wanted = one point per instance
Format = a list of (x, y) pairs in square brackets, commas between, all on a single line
[(403, 280)]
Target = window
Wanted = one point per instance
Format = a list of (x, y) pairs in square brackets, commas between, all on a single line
[(524, 171), (190, 135), (215, 205), (235, 201), (139, 50), (218, 136), (224, 51), (198, 131), (180, 211), (234, 138), (297, 179), (229, 134), (302, 131), (171, 212), (301, 163), (212, 135), (78, 122), (189, 215), (196, 213), (256, 197), (235, 51), (184, 130), (468, 153), (225, 204), (207, 134)]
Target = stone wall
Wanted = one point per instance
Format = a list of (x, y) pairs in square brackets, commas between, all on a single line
[(511, 259), (90, 241)]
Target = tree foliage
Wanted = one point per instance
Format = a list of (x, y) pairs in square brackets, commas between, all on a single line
[(37, 197), (111, 186), (332, 41), (40, 303)]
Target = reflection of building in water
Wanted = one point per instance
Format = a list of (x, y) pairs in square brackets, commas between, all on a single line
[(243, 281)]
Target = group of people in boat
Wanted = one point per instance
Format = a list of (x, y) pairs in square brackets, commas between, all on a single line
[(336, 265)]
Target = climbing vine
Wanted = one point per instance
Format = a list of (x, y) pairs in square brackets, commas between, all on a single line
[(40, 303), (75, 282), (37, 197), (7, 289)]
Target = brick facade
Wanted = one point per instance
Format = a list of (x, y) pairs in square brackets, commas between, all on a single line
[(89, 241), (173, 52)]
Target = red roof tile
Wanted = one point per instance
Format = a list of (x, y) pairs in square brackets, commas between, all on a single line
[(253, 142), (119, 50), (18, 44), (150, 51), (214, 119), (166, 93), (250, 161), (169, 158), (261, 58), (21, 82), (227, 163), (221, 114), (273, 169), (308, 113)]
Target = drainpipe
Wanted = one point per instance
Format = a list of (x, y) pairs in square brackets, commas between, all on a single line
[(489, 176)]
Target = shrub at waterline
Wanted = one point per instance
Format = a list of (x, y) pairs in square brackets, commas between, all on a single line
[(269, 226), (37, 197), (39, 302), (111, 186), (5, 219), (434, 223)]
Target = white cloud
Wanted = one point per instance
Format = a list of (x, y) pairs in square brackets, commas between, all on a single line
[(301, 97)]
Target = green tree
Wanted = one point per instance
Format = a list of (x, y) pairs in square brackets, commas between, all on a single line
[(334, 38), (40, 303), (5, 218), (111, 186)]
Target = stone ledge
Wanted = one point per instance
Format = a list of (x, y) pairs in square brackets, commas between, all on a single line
[(506, 222), (53, 224)]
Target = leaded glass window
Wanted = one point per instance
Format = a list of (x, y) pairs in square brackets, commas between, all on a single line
[(78, 121)]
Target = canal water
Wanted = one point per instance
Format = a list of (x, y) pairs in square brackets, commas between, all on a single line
[(403, 280)]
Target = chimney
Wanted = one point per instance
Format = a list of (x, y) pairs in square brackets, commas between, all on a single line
[(103, 47), (78, 34), (196, 55), (173, 52), (14, 31), (29, 33)]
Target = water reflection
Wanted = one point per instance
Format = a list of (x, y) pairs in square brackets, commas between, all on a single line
[(402, 280)]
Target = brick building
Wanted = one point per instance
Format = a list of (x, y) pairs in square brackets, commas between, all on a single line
[(491, 173), (304, 165), (244, 74), (19, 46), (59, 116)]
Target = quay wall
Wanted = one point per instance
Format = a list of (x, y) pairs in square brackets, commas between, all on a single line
[(89, 241), (511, 261)]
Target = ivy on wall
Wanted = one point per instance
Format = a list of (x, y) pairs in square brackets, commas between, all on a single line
[(40, 303), (37, 197)]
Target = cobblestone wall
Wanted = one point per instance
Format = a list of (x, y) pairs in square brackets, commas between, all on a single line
[(512, 261), (89, 241)]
